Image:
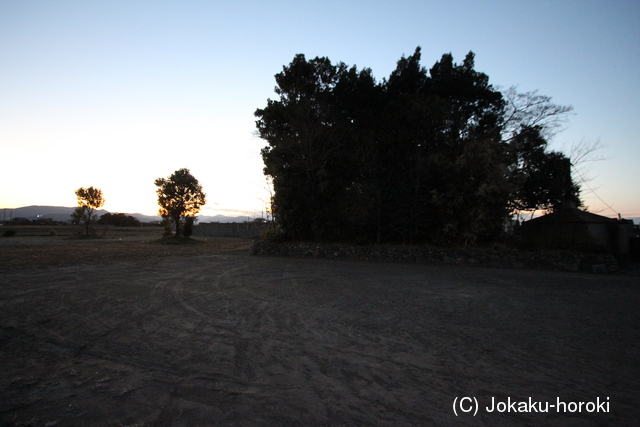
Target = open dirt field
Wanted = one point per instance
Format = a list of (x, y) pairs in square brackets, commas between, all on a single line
[(133, 333)]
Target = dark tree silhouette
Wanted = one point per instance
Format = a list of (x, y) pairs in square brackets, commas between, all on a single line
[(541, 179), (118, 220), (304, 147), (89, 199), (179, 196), (442, 137), (427, 155)]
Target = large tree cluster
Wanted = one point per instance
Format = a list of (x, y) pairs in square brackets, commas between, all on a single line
[(433, 155)]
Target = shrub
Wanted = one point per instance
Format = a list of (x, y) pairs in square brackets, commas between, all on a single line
[(9, 233), (272, 234), (53, 233)]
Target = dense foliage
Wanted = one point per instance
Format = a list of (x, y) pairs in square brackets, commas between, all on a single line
[(180, 197), (119, 220), (434, 155)]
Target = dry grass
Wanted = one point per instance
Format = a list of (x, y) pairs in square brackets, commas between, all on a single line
[(99, 251)]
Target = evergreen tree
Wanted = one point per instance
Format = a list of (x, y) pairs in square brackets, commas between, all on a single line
[(433, 155)]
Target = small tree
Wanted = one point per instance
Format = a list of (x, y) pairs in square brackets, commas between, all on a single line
[(180, 196), (89, 199)]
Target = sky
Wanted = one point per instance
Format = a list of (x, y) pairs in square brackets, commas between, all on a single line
[(114, 94)]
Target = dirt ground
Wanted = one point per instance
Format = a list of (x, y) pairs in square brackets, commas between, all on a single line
[(127, 332)]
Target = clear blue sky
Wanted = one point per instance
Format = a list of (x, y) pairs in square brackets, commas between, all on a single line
[(115, 94)]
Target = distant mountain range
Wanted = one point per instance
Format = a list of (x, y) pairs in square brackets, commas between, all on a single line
[(62, 213)]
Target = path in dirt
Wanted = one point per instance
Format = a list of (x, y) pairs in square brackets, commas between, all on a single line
[(234, 339)]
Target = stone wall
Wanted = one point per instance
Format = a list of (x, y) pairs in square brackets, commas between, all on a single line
[(557, 261)]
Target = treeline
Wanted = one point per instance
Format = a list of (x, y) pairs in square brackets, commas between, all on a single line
[(115, 219), (26, 221), (119, 220), (438, 155)]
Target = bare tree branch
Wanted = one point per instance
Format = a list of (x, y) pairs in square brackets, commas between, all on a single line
[(532, 109)]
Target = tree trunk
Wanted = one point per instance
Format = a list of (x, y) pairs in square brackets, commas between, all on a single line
[(87, 221), (177, 221)]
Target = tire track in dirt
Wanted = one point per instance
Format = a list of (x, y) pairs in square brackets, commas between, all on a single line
[(233, 339)]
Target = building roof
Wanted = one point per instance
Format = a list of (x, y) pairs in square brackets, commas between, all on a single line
[(573, 216)]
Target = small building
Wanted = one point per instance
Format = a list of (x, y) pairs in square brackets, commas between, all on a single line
[(572, 228)]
